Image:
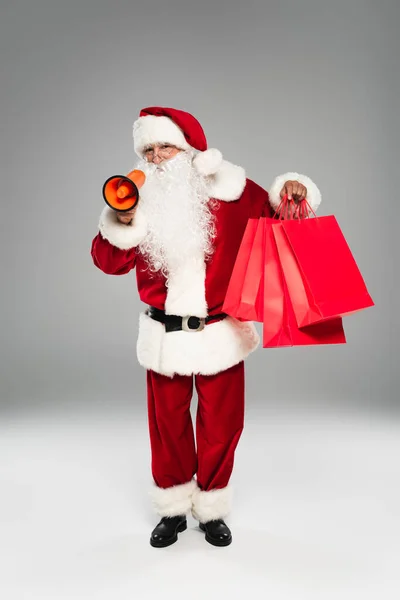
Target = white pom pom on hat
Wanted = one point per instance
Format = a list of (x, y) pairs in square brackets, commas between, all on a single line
[(208, 162)]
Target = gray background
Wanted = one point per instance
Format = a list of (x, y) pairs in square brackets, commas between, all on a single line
[(306, 86)]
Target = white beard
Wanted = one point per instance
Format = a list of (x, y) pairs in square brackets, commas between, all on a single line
[(176, 204)]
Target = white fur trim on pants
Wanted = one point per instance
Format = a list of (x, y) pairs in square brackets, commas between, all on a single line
[(173, 501), (212, 504), (313, 193)]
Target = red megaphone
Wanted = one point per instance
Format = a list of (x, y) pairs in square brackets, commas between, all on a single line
[(121, 192)]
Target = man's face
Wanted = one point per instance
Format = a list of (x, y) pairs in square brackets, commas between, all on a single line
[(158, 153)]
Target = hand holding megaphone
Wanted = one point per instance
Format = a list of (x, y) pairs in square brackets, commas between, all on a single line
[(126, 216), (121, 193)]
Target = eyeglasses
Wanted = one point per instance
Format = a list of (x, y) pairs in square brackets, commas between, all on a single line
[(163, 151)]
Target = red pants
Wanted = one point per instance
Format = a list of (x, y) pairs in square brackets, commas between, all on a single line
[(219, 424)]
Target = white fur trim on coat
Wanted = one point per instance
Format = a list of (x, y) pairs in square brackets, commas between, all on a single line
[(212, 504), (151, 129), (186, 292), (313, 193), (208, 162), (217, 347), (120, 235), (228, 182), (173, 501), (220, 345)]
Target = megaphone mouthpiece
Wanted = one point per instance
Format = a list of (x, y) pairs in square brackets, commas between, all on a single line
[(123, 191)]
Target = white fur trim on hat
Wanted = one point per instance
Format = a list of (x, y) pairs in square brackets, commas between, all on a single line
[(208, 162), (120, 235), (173, 501), (151, 129), (212, 504), (313, 193)]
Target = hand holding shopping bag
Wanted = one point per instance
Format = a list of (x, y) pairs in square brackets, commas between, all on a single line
[(279, 324), (321, 274)]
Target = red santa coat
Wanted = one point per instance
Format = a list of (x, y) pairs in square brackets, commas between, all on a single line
[(199, 287)]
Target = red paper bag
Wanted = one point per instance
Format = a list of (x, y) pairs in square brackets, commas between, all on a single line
[(276, 331), (322, 276), (235, 286), (279, 326), (251, 305)]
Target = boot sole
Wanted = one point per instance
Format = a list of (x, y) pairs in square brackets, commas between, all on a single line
[(212, 541), (170, 541)]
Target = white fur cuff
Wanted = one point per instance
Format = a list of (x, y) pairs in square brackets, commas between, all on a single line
[(208, 162), (173, 501), (120, 235), (212, 504), (313, 193)]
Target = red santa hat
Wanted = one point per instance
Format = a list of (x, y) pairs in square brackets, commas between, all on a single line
[(157, 124)]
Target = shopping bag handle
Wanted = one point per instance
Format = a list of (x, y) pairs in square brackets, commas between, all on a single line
[(286, 208), (302, 209), (278, 210)]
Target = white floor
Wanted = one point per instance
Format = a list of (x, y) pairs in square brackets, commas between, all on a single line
[(316, 510)]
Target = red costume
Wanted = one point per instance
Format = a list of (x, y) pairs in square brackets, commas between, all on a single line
[(212, 358)]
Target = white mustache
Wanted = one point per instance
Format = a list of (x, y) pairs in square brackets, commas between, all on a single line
[(182, 158)]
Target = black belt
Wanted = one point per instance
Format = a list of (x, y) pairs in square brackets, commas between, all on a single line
[(178, 323)]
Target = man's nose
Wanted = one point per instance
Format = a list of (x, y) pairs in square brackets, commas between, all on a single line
[(156, 159)]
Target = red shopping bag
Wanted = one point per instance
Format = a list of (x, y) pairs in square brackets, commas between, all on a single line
[(322, 276), (232, 297), (246, 272), (276, 331), (251, 299), (279, 325)]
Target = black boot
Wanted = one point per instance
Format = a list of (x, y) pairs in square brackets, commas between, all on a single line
[(217, 532), (166, 532)]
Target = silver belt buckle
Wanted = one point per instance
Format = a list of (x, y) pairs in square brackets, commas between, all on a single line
[(185, 324)]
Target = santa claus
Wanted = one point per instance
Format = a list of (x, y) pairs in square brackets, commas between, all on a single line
[(182, 240)]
